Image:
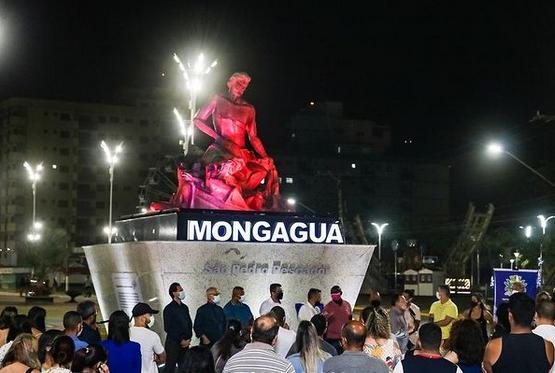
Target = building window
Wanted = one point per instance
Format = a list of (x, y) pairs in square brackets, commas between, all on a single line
[(64, 151), (100, 205), (288, 180), (144, 123), (143, 140), (65, 116), (64, 169), (114, 119), (64, 134), (63, 186), (102, 119), (63, 203)]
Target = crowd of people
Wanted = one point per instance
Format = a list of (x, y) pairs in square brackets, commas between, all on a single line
[(385, 338)]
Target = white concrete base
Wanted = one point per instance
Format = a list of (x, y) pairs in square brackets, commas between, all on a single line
[(126, 273)]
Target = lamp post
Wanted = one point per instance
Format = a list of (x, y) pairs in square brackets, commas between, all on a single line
[(543, 224), (34, 175), (379, 229), (193, 75), (111, 158), (293, 202), (495, 149)]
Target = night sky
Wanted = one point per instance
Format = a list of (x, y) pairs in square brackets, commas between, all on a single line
[(451, 78)]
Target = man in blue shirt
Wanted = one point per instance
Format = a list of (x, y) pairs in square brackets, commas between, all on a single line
[(236, 309), (73, 326), (210, 319), (178, 327)]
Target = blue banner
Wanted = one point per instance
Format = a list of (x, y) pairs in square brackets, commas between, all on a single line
[(503, 280)]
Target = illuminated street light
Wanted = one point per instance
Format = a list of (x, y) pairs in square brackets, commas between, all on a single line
[(543, 224), (380, 229), (112, 159), (292, 202), (527, 231), (34, 175), (495, 149), (193, 75)]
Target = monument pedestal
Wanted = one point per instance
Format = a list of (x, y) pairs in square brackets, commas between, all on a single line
[(126, 273), (141, 271)]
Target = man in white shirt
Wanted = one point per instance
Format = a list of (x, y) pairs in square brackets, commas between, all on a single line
[(276, 295), (309, 309), (285, 337), (545, 317), (152, 351)]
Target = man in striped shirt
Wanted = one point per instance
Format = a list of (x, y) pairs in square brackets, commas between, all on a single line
[(260, 356)]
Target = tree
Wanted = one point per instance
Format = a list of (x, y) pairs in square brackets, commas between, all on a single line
[(47, 255)]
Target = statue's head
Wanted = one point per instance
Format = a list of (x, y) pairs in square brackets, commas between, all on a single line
[(238, 83)]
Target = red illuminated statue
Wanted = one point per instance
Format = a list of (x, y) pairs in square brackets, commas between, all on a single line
[(235, 177)]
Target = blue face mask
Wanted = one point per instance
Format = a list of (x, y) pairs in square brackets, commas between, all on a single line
[(182, 295)]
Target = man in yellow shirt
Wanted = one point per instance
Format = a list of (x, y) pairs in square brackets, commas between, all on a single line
[(443, 312)]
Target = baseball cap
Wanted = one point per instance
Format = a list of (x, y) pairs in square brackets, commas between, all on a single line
[(142, 309)]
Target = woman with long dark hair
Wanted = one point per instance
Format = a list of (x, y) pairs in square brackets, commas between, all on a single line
[(123, 355), (20, 325), (466, 346), (62, 351), (198, 360), (480, 313), (310, 358), (90, 360), (228, 345), (37, 315), (45, 347), (6, 320)]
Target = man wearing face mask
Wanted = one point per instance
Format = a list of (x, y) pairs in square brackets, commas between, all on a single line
[(152, 351), (73, 326), (237, 309), (443, 312), (210, 319), (276, 295), (338, 312), (178, 326)]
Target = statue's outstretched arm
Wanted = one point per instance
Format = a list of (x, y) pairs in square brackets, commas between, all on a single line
[(253, 137), (201, 119)]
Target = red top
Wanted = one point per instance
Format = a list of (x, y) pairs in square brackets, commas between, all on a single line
[(337, 314)]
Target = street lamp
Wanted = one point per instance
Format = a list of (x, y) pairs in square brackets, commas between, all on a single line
[(527, 231), (292, 202), (193, 75), (495, 149), (111, 158), (379, 229), (34, 175), (543, 224)]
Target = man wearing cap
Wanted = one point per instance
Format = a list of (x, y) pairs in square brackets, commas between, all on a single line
[(152, 351), (178, 328), (210, 319)]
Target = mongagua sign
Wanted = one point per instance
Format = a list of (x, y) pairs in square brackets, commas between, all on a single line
[(263, 231)]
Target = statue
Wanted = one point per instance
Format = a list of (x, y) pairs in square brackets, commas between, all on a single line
[(235, 177)]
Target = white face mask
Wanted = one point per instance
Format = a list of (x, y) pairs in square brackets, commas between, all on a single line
[(437, 295), (182, 295), (242, 298), (216, 299), (151, 322)]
